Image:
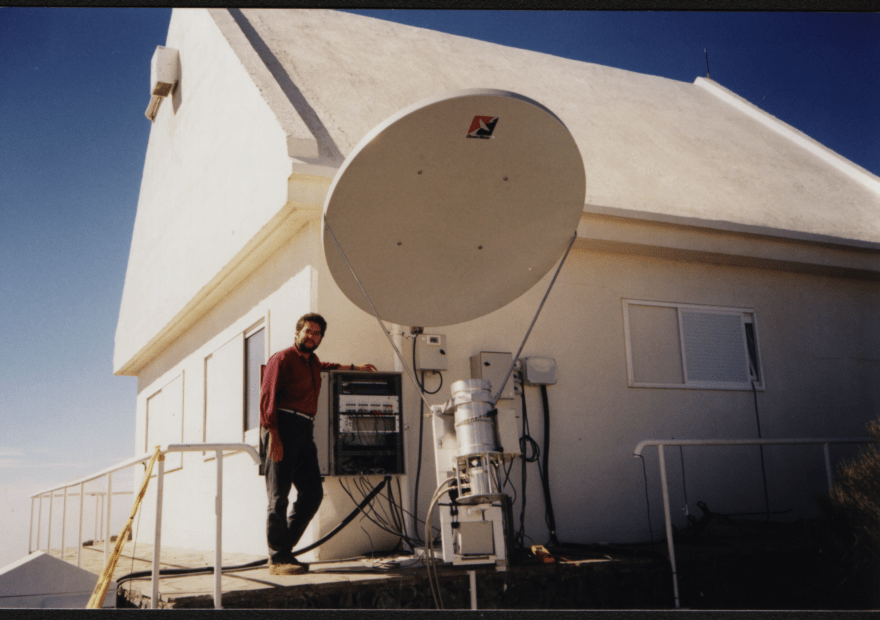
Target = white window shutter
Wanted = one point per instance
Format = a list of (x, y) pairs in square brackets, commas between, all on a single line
[(714, 347)]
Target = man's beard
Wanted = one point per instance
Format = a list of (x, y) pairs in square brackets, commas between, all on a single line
[(305, 348)]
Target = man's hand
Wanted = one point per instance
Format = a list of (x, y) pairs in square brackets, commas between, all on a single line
[(367, 367), (276, 449)]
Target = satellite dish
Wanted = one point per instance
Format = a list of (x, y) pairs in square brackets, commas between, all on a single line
[(453, 207)]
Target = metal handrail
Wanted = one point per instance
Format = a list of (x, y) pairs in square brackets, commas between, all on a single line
[(218, 448), (661, 443), (99, 515)]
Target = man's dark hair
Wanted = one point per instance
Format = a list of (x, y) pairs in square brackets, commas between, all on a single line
[(312, 318)]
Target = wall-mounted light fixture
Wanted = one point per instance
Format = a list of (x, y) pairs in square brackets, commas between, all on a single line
[(164, 74)]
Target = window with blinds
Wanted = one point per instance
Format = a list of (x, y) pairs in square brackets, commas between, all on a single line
[(686, 346)]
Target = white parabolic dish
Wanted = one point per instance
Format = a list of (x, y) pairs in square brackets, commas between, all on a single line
[(454, 207)]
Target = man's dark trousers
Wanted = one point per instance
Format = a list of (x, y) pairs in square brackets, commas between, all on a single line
[(299, 467)]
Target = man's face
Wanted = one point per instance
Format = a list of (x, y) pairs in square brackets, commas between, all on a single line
[(309, 337)]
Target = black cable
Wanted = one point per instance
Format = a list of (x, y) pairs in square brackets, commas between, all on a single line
[(525, 442), (683, 482), (399, 511), (257, 563), (647, 501), (545, 478), (392, 509), (396, 532), (396, 517), (520, 534), (381, 514), (419, 457), (376, 518), (421, 435), (436, 372), (763, 471), (384, 525), (507, 482), (422, 384)]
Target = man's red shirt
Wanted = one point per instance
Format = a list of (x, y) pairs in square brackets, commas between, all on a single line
[(291, 382)]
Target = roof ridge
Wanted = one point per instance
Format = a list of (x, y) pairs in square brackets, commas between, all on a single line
[(834, 159)]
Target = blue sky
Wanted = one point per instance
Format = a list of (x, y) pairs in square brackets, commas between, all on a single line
[(74, 90)]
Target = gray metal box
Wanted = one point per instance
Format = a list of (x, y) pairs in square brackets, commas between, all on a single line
[(430, 352), (493, 366), (475, 538)]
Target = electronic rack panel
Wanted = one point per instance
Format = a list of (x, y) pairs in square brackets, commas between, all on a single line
[(366, 436)]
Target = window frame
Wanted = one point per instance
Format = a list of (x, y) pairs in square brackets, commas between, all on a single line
[(756, 380), (174, 461), (247, 436), (252, 436)]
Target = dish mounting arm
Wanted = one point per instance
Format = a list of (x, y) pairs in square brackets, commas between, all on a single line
[(516, 357), (378, 318)]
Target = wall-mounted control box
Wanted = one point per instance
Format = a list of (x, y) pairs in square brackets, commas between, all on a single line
[(539, 370), (430, 352), (493, 366)]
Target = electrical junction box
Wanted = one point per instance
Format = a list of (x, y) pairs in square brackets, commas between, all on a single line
[(493, 366), (430, 352), (164, 71), (539, 370)]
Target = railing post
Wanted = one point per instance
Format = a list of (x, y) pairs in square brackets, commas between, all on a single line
[(49, 533), (828, 467), (99, 516), (668, 516), (107, 525), (157, 536), (39, 520), (31, 528), (79, 541), (63, 522), (218, 544)]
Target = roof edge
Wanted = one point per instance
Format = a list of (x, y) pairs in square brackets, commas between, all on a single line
[(720, 225), (835, 160), (308, 140)]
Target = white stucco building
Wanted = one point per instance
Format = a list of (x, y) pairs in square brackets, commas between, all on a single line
[(701, 212)]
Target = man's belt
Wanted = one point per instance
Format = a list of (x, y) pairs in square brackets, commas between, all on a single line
[(299, 413)]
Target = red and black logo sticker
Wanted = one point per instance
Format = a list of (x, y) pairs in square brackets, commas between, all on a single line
[(482, 127)]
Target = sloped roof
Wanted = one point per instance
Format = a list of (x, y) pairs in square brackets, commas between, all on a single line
[(650, 145)]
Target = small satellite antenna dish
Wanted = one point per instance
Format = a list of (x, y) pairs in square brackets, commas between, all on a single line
[(453, 207)]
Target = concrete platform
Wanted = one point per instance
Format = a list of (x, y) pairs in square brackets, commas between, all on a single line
[(723, 564), (396, 582)]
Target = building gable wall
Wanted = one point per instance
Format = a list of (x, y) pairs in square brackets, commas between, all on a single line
[(216, 171)]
